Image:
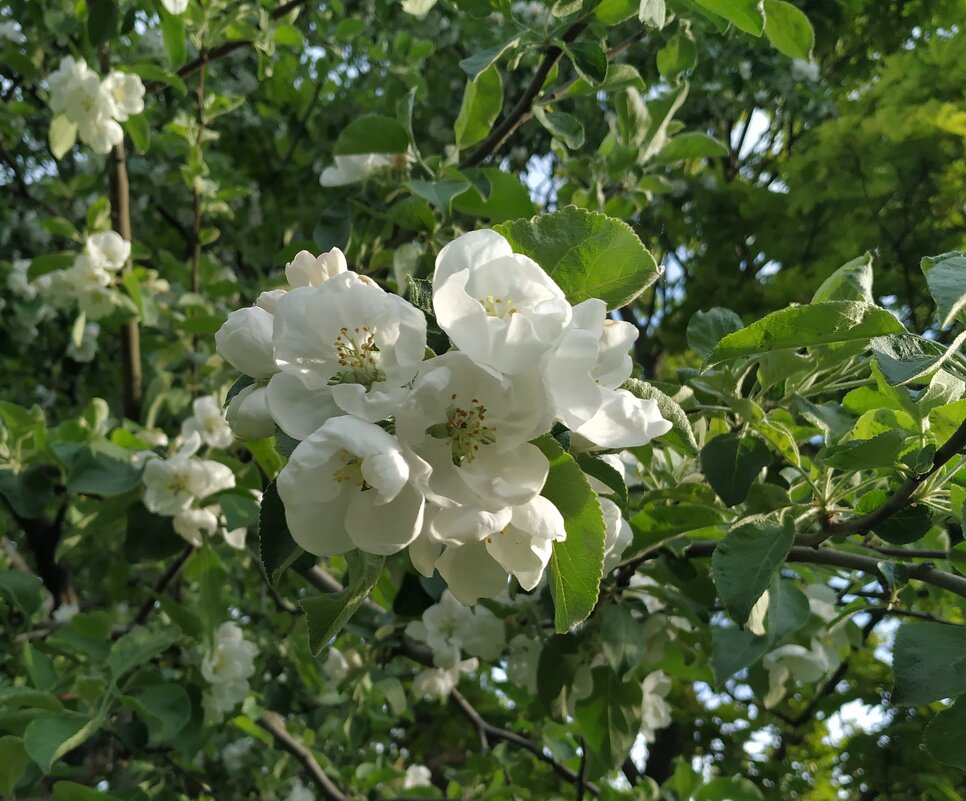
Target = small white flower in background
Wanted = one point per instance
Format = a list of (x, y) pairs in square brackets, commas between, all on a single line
[(336, 666), (10, 31), (355, 168), (448, 627), (308, 270), (655, 710), (227, 668), (793, 661), (18, 282), (64, 613), (175, 6), (497, 306), (522, 661), (208, 420), (233, 755), (87, 348), (107, 250), (437, 683), (356, 477), (62, 81), (192, 524), (299, 792), (127, 92), (417, 776), (804, 70), (584, 375), (756, 618)]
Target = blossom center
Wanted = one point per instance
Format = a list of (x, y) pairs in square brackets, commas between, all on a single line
[(358, 355), (498, 307), (466, 430), (350, 472)]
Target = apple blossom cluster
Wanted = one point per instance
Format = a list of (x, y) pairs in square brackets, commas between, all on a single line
[(227, 667), (402, 448), (353, 169), (95, 106), (449, 629), (176, 486), (89, 281)]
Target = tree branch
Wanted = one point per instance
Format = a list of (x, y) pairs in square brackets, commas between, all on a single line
[(274, 724), (221, 51), (521, 112), (121, 222), (169, 575), (487, 731), (899, 500)]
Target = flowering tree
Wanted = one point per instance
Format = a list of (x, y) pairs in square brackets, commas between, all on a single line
[(340, 455)]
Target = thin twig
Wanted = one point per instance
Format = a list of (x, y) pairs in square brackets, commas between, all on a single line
[(274, 724), (169, 575), (488, 731)]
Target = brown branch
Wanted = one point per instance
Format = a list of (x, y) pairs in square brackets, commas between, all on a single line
[(274, 724), (169, 575), (487, 731), (121, 222), (221, 51), (900, 499), (521, 112)]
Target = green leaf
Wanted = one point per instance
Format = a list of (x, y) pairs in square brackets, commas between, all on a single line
[(588, 254), (806, 326), (620, 638), (661, 111), (678, 55), (562, 126), (928, 663), (139, 646), (734, 788), (325, 615), (241, 510), (276, 548), (165, 709), (747, 560), (681, 435), (508, 199), (153, 72), (62, 135), (865, 454), (46, 739), (150, 537), (851, 281), (609, 720), (140, 132), (614, 12), (788, 29), (693, 145), (904, 357), (590, 61), (605, 474), (71, 791), (732, 463), (652, 12), (945, 736), (172, 31), (98, 471), (439, 193), (577, 563), (746, 15), (102, 21), (909, 524), (48, 263), (28, 492), (655, 525), (482, 104), (13, 763), (946, 279), (733, 650), (372, 133), (475, 64), (21, 589), (707, 328)]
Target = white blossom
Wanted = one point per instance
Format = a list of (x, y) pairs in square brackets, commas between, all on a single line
[(796, 662), (175, 7), (308, 270), (87, 348), (358, 479), (227, 667), (417, 776), (355, 168), (107, 250), (522, 661), (233, 755), (655, 710), (299, 792), (497, 306), (617, 533), (434, 683), (336, 666), (449, 627), (584, 375), (10, 31), (208, 420)]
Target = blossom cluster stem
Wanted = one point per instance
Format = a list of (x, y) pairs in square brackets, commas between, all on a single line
[(132, 391)]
